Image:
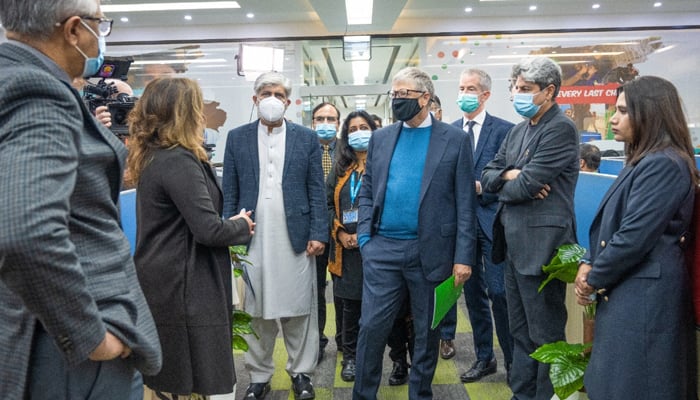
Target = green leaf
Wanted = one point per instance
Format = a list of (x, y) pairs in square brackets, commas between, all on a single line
[(238, 343), (567, 361), (241, 325), (241, 250), (564, 264), (567, 378), (241, 317), (567, 365), (553, 352), (240, 320)]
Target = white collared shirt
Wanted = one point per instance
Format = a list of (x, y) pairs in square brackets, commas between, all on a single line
[(479, 122)]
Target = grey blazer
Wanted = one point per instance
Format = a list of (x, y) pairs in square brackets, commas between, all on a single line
[(64, 260), (302, 181), (529, 229)]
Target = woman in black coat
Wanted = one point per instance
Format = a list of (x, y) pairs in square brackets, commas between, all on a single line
[(181, 256), (644, 344)]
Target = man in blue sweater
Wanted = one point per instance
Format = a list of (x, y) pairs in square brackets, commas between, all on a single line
[(416, 228)]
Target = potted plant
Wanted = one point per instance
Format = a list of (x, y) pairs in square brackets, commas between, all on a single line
[(240, 319), (567, 361)]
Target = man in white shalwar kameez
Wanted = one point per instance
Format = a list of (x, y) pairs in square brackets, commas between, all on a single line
[(273, 167)]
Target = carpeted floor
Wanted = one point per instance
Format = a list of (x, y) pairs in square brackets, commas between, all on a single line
[(329, 386)]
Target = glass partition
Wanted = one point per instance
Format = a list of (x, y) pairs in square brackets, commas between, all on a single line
[(593, 63)]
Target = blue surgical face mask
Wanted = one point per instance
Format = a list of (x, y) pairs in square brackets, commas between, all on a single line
[(93, 64), (359, 140), (326, 131), (523, 104), (468, 102)]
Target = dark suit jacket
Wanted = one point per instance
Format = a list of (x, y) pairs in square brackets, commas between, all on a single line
[(302, 181), (184, 268), (446, 220), (492, 134), (64, 260), (527, 228), (644, 326)]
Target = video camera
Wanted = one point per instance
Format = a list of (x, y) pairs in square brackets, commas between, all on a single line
[(106, 94)]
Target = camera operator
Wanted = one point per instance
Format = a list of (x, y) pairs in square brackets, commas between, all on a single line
[(102, 112)]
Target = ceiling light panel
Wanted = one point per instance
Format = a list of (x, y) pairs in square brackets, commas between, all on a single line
[(199, 5), (359, 12)]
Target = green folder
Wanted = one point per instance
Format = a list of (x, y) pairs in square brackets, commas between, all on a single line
[(446, 295)]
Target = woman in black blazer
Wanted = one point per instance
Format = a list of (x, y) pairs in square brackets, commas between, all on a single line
[(181, 256), (644, 344)]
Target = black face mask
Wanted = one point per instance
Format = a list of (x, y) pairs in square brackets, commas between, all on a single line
[(405, 109)]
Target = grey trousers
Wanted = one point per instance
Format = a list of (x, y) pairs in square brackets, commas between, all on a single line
[(300, 336)]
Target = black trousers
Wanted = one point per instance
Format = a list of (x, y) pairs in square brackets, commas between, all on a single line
[(348, 324), (400, 340), (321, 266)]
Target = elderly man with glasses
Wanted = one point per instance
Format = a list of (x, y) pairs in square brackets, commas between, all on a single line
[(74, 322), (325, 122), (416, 229)]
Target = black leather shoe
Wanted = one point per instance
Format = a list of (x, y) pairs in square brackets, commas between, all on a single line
[(447, 349), (399, 374), (479, 370), (257, 391), (348, 372), (302, 387)]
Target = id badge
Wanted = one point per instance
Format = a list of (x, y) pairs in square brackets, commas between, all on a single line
[(350, 216)]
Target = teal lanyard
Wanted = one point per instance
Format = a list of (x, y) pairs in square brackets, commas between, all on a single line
[(354, 187)]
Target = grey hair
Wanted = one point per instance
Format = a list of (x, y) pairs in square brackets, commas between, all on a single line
[(39, 17), (540, 70), (273, 79), (484, 78), (417, 76)]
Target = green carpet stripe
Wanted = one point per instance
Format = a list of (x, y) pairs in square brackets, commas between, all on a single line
[(446, 373), (393, 392), (321, 394), (488, 391)]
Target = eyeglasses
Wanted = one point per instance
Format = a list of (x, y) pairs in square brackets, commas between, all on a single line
[(321, 118), (104, 26), (402, 93)]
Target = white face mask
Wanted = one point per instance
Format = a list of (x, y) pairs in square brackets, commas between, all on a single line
[(271, 109)]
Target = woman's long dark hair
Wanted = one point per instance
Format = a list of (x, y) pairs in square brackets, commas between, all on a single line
[(657, 120), (344, 154)]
